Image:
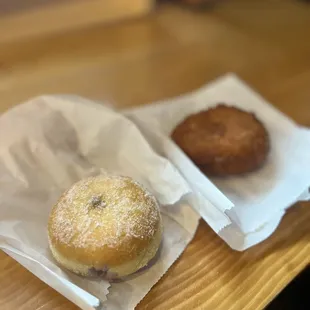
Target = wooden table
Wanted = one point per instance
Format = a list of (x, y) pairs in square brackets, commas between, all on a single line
[(171, 52)]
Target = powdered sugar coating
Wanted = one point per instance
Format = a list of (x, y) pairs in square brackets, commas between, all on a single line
[(104, 211)]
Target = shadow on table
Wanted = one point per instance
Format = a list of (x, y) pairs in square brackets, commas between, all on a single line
[(295, 296)]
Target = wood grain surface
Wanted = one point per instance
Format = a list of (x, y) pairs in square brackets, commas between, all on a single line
[(23, 19), (173, 51)]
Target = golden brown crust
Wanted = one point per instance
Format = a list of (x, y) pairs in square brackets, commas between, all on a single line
[(223, 140), (105, 221)]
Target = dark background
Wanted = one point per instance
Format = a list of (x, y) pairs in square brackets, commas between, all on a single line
[(296, 296)]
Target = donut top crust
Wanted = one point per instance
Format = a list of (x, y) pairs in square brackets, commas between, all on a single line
[(221, 132), (113, 213)]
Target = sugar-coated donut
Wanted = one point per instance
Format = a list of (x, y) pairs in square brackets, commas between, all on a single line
[(106, 225), (223, 140)]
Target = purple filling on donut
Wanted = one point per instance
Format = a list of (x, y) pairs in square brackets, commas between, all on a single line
[(102, 273)]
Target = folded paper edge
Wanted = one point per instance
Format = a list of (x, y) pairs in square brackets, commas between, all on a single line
[(83, 295), (241, 242), (241, 236)]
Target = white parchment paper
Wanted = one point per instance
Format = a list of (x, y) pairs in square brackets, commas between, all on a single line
[(261, 197), (51, 142)]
